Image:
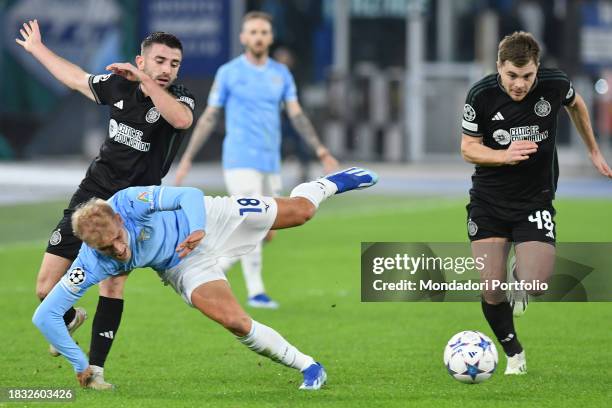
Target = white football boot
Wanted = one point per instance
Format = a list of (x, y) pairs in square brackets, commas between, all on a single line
[(79, 318), (518, 299), (97, 380), (517, 364)]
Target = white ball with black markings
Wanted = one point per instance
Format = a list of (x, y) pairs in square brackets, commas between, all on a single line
[(76, 276)]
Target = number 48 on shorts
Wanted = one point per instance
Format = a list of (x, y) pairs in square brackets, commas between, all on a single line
[(543, 221)]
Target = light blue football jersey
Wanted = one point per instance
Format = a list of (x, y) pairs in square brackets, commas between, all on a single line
[(252, 97), (157, 219)]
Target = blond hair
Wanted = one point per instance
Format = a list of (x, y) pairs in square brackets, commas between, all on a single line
[(256, 15), (519, 48), (91, 219)]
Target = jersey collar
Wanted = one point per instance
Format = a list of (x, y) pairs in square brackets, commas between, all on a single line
[(248, 63)]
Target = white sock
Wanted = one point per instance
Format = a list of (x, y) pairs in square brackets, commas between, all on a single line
[(315, 191), (251, 270), (96, 369), (268, 342)]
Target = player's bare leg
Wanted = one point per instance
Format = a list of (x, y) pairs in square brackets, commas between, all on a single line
[(216, 301), (104, 328), (52, 268), (495, 306)]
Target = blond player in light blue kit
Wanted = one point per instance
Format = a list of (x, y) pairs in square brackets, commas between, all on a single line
[(183, 235), (252, 89)]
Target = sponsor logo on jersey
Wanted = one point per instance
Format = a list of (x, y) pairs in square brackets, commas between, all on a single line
[(570, 93), (498, 116), (469, 113), (100, 78), (502, 137), (127, 135), (187, 100), (56, 237), (144, 197), (119, 104), (531, 133), (542, 107), (472, 227)]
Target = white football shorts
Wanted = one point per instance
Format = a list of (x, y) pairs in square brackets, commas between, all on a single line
[(234, 226)]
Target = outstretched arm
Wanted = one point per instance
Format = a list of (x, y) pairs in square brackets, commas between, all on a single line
[(202, 131), (64, 71), (304, 127), (580, 116)]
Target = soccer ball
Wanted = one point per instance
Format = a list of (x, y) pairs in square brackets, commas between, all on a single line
[(470, 357)]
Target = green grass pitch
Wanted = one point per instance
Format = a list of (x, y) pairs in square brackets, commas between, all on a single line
[(377, 354)]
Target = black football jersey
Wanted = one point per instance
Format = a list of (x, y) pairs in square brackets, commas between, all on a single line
[(491, 114), (140, 145)]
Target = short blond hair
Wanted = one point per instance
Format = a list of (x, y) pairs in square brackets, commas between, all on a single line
[(257, 15), (91, 219)]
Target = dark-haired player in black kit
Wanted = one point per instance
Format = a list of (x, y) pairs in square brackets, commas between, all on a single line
[(509, 130), (147, 119)]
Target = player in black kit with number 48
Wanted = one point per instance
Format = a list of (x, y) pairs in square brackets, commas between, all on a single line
[(509, 130), (147, 119)]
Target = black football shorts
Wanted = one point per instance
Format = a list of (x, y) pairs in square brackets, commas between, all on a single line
[(62, 241), (486, 221)]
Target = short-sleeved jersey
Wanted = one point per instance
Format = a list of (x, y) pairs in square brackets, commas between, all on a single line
[(491, 114), (140, 145), (252, 97)]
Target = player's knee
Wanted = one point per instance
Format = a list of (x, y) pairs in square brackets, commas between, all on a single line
[(304, 212), (493, 297), (42, 289), (239, 325), (112, 287)]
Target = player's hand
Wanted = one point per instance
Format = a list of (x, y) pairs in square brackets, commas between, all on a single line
[(181, 172), (600, 163), (126, 70), (329, 162), (31, 36), (519, 151), (85, 377), (189, 244)]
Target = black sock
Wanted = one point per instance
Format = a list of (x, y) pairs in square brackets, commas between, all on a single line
[(104, 329), (69, 315), (502, 323)]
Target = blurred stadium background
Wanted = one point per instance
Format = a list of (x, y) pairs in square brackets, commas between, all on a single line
[(383, 80)]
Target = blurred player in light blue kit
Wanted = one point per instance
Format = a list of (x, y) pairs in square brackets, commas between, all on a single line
[(183, 235), (252, 89)]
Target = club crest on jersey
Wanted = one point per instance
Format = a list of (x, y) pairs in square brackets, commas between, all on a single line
[(56, 237), (542, 107), (469, 113), (472, 227), (152, 115), (502, 137)]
